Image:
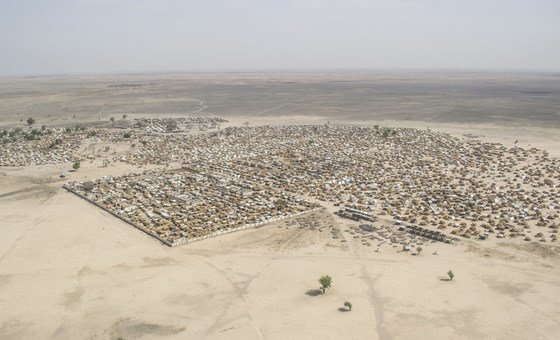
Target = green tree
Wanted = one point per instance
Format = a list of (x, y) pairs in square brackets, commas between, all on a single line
[(30, 121), (325, 282), (348, 305), (88, 185), (280, 204), (419, 250), (451, 275), (76, 165)]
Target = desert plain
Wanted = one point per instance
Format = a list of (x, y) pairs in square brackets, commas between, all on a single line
[(71, 270)]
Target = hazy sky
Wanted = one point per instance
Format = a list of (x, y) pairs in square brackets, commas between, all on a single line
[(88, 36)]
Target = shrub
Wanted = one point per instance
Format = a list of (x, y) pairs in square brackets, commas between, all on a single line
[(30, 121), (29, 136), (348, 305), (76, 165)]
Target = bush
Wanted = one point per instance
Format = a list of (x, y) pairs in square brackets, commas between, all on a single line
[(76, 165), (29, 136), (127, 135), (30, 121), (348, 305)]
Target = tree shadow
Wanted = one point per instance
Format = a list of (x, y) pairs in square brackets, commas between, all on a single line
[(444, 279), (313, 292), (343, 309)]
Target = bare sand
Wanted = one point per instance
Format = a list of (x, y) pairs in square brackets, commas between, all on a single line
[(69, 270)]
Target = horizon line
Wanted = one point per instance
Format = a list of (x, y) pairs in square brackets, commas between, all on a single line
[(341, 70)]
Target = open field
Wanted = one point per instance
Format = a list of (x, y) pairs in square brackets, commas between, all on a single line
[(70, 270), (437, 97)]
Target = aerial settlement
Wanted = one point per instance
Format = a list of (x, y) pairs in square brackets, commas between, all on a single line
[(197, 178)]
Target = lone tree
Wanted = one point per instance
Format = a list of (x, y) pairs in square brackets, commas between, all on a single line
[(325, 282), (419, 250), (112, 119), (30, 121), (348, 305), (451, 275), (76, 165)]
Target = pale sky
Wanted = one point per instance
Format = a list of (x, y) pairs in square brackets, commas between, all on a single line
[(111, 36)]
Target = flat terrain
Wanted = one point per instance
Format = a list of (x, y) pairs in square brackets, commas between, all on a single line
[(502, 107), (69, 270), (524, 99), (74, 271)]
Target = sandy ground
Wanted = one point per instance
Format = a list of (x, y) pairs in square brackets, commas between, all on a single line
[(71, 271)]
